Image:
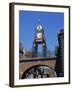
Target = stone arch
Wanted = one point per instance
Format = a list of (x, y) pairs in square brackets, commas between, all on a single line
[(50, 73)]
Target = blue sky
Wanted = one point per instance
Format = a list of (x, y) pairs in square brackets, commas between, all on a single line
[(52, 22)]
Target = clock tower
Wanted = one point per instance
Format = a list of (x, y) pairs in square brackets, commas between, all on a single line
[(39, 39)]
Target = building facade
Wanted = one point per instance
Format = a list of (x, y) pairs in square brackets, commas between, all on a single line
[(60, 54)]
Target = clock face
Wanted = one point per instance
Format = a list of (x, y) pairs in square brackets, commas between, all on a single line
[(39, 35), (39, 27)]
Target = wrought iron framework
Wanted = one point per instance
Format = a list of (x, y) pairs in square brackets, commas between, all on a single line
[(42, 41)]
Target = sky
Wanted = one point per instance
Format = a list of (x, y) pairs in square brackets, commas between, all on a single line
[(52, 22)]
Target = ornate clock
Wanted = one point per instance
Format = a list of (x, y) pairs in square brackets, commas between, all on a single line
[(39, 33)]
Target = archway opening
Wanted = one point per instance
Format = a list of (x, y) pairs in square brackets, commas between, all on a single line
[(39, 71)]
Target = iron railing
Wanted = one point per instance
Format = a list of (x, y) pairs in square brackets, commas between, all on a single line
[(50, 54)]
